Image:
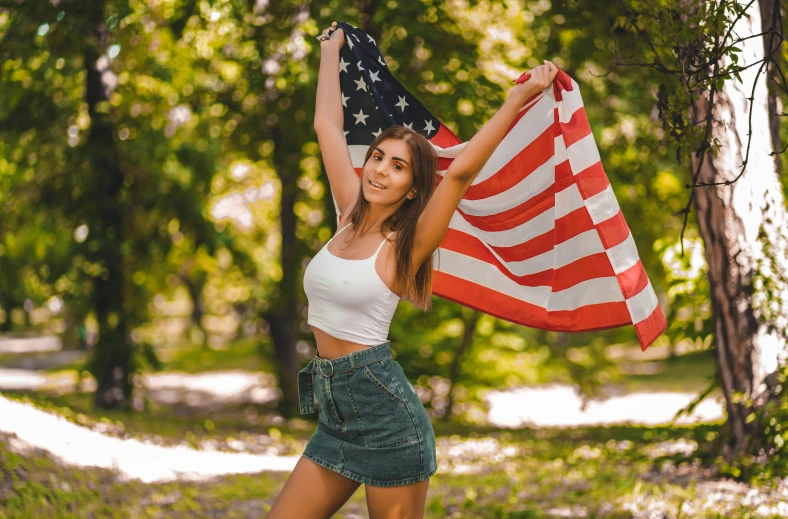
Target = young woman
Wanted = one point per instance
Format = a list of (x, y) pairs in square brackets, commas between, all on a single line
[(372, 427)]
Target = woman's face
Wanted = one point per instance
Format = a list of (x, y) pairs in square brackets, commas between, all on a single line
[(389, 165)]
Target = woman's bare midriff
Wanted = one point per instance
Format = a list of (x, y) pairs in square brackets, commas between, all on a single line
[(329, 347)]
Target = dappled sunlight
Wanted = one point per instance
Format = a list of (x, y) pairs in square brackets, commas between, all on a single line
[(724, 498), (132, 458), (471, 456), (561, 406), (217, 388), (30, 344), (21, 379)]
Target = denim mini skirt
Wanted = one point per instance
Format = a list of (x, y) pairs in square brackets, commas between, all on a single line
[(372, 427)]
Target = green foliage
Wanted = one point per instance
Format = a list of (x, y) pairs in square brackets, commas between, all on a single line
[(214, 103), (767, 436)]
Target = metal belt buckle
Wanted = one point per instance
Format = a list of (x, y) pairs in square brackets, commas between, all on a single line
[(320, 367)]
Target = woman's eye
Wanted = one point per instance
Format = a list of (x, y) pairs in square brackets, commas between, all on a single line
[(378, 156)]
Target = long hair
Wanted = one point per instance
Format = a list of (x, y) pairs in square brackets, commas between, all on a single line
[(415, 288)]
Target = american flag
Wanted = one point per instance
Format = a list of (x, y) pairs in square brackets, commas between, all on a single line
[(539, 238)]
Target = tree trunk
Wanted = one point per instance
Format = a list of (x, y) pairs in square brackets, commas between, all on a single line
[(469, 319), (739, 224), (775, 102), (112, 358), (195, 289), (283, 313)]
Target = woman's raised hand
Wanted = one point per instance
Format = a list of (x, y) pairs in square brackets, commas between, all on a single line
[(332, 37), (542, 77)]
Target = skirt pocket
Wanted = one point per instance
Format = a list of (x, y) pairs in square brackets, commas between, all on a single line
[(383, 415)]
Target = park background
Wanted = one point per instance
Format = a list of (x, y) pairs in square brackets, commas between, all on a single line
[(161, 191)]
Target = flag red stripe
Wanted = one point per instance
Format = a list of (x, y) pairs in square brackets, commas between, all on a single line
[(613, 230), (576, 128), (531, 208), (566, 227), (587, 318), (591, 180), (633, 280), (539, 151), (588, 267), (650, 328)]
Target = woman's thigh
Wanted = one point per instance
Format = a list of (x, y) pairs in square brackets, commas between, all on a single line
[(312, 491), (403, 502)]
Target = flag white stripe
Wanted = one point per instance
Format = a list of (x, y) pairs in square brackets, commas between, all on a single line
[(583, 154), (592, 291), (603, 205), (524, 133), (540, 179), (624, 255), (573, 249), (571, 101), (642, 304)]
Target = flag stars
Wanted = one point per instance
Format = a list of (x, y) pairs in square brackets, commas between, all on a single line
[(344, 98), (371, 39), (349, 42), (380, 59), (360, 68), (408, 125), (360, 84), (377, 132), (344, 134), (360, 117), (428, 128), (374, 76), (343, 64), (402, 103)]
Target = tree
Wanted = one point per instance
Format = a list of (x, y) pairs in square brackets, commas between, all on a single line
[(742, 218), (725, 131)]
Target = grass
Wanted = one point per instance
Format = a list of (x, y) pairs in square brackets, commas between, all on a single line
[(596, 472), (35, 485), (601, 472), (690, 372), (246, 353)]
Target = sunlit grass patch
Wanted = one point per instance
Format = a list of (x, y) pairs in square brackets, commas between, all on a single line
[(243, 428)]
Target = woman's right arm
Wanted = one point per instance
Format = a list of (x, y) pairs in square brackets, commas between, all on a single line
[(329, 125)]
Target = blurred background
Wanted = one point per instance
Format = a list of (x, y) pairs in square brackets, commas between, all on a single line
[(162, 190)]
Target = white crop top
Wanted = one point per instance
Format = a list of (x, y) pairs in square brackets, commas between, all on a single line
[(347, 298)]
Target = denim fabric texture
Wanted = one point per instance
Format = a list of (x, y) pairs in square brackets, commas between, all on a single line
[(372, 427)]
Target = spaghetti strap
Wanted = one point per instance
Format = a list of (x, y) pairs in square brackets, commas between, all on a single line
[(381, 243), (339, 231)]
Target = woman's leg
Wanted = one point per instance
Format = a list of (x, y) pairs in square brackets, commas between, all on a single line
[(405, 502), (312, 491)]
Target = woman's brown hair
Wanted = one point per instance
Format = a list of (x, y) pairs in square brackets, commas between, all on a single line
[(417, 289)]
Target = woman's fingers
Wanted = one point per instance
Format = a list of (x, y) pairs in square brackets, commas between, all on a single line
[(542, 75), (326, 34)]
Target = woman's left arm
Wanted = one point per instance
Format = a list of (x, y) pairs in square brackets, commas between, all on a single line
[(434, 220)]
